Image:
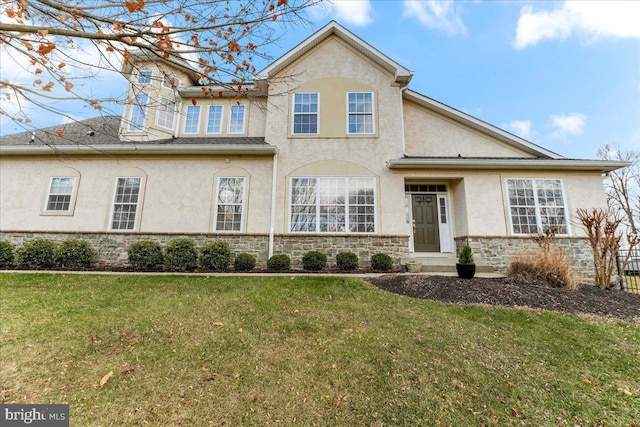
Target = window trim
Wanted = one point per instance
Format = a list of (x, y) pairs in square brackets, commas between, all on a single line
[(135, 105), (159, 111), (293, 114), (209, 117), (241, 204), (186, 117), (373, 113), (537, 205), (149, 77), (136, 221), (74, 191), (346, 205), (244, 119)]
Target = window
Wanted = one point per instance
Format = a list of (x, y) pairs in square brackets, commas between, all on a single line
[(360, 112), (192, 121), (138, 112), (236, 122), (144, 77), (229, 204), (170, 81), (305, 113), (166, 113), (333, 205), (536, 205), (125, 203), (214, 121), (60, 193)]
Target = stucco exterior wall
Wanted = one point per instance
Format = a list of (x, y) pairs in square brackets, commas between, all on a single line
[(428, 133)]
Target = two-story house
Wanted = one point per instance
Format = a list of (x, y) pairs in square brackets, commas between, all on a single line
[(329, 151)]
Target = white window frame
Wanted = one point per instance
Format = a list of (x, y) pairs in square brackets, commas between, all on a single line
[(138, 108), (305, 113), (186, 119), (244, 118), (373, 114), (537, 207), (219, 131), (145, 77), (219, 203), (163, 112), (317, 204), (136, 219), (52, 194)]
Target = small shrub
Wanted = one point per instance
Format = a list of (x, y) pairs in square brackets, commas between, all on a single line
[(74, 254), (280, 262), (7, 254), (466, 255), (145, 255), (244, 262), (381, 262), (36, 254), (181, 255), (549, 267), (314, 261), (215, 256), (347, 261)]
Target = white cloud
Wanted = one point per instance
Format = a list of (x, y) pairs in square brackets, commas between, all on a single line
[(351, 12), (567, 124), (588, 19), (522, 128), (442, 15)]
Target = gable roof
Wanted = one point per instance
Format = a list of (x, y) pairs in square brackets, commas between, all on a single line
[(402, 74)]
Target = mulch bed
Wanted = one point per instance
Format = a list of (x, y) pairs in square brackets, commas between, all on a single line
[(588, 300)]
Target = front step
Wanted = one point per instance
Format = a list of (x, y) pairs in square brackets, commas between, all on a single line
[(441, 263)]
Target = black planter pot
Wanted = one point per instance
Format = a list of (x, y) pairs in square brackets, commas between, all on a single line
[(466, 271)]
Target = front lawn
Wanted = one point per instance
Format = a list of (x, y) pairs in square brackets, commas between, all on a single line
[(303, 351)]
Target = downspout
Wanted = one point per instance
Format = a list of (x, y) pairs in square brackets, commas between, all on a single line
[(272, 224)]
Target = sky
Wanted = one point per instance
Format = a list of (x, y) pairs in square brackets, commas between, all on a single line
[(564, 75)]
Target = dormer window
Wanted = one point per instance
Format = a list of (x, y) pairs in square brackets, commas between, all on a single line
[(236, 121), (305, 113), (144, 77), (138, 112), (166, 113), (192, 121), (170, 82), (360, 113)]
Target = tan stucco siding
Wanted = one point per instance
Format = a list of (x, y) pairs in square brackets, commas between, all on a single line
[(428, 133), (178, 193)]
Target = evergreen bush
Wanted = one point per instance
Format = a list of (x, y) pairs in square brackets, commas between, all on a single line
[(314, 261), (36, 255), (145, 255), (74, 254), (244, 262), (7, 254), (181, 255), (215, 256), (280, 262), (381, 262), (347, 261)]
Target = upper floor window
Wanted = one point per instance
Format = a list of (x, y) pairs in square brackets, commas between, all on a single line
[(214, 121), (305, 113), (333, 205), (170, 82), (166, 113), (125, 203), (236, 121), (60, 194), (138, 112), (229, 204), (360, 112), (536, 205), (144, 76), (192, 121)]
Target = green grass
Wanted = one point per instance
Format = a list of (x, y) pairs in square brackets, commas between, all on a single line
[(303, 351)]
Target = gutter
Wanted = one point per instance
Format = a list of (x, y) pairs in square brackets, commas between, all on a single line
[(603, 166), (272, 222), (139, 149)]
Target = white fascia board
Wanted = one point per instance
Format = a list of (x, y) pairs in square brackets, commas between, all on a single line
[(481, 126), (227, 91), (602, 166), (402, 75), (139, 149)]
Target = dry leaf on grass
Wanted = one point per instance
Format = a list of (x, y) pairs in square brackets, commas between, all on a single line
[(218, 324), (104, 379), (624, 391), (586, 381)]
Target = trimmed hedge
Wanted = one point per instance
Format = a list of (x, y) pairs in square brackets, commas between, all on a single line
[(314, 261), (347, 261), (36, 255), (181, 255), (7, 254), (381, 262), (145, 255), (74, 254), (280, 262), (215, 256), (244, 262)]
